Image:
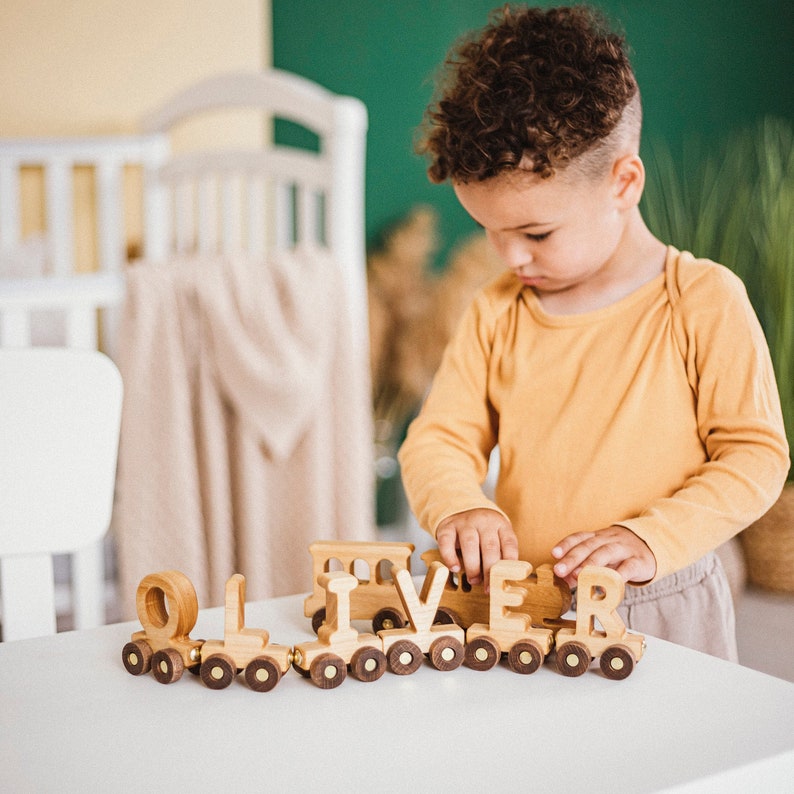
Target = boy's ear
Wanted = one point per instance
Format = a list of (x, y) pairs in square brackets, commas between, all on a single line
[(628, 180)]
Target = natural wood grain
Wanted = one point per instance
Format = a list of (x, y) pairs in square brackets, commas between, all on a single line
[(510, 628), (374, 593), (421, 630), (242, 645), (599, 629), (337, 641), (167, 609)]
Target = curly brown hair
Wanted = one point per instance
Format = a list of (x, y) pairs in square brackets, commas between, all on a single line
[(535, 89)]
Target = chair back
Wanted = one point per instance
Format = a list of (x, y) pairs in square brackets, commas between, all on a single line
[(59, 431)]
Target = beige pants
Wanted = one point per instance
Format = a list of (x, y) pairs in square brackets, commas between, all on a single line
[(692, 607)]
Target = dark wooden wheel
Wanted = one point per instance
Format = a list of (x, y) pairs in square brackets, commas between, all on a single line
[(137, 657), (328, 671), (218, 671), (482, 653), (318, 618), (525, 657), (262, 674), (167, 665), (447, 617), (617, 662), (388, 618), (368, 664), (446, 653), (404, 657), (573, 659)]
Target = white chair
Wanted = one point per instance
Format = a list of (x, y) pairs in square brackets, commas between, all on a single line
[(59, 431)]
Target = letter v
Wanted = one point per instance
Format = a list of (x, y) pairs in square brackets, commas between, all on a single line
[(421, 609)]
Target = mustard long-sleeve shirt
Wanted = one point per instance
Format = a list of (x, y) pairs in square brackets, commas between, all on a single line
[(659, 413)]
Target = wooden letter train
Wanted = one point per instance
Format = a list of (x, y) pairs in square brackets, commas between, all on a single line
[(449, 622)]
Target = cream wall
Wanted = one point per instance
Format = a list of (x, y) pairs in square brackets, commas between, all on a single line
[(95, 67)]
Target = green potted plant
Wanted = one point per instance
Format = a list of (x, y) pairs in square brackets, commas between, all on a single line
[(734, 203)]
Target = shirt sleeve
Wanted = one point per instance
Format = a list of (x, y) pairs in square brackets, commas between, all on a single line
[(739, 422), (444, 459)]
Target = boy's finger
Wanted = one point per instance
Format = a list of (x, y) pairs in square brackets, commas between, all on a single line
[(508, 543), (569, 542), (582, 554), (491, 553), (447, 548), (470, 552)]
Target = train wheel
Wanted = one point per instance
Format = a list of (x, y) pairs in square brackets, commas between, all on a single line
[(218, 671), (404, 657), (446, 653), (368, 664), (318, 618), (167, 666), (482, 653), (573, 659), (262, 674), (617, 662), (525, 657), (328, 671), (137, 657), (447, 617), (388, 619)]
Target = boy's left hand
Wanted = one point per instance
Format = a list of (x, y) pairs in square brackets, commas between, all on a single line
[(614, 547)]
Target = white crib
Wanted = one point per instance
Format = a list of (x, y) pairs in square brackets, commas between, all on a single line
[(217, 199)]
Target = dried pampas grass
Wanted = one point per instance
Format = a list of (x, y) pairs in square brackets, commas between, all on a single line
[(414, 311)]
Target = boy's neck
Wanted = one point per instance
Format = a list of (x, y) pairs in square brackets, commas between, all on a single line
[(637, 259)]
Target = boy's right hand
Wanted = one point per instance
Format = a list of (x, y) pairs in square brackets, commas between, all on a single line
[(482, 536)]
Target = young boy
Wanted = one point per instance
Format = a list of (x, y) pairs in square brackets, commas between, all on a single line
[(628, 385)]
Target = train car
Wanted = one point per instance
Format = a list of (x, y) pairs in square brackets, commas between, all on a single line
[(599, 632), (242, 649), (545, 597), (339, 646), (164, 645), (375, 597), (509, 631)]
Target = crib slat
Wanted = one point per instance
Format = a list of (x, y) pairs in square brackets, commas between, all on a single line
[(307, 215), (284, 216), (257, 224), (110, 207), (9, 204), (232, 213), (208, 214), (185, 220), (88, 576), (27, 588), (158, 212), (60, 201)]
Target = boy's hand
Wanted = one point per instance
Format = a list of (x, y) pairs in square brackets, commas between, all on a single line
[(483, 537), (614, 547)]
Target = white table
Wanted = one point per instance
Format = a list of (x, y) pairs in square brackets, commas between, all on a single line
[(73, 720)]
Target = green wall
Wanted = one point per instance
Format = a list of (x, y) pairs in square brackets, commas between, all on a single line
[(704, 67)]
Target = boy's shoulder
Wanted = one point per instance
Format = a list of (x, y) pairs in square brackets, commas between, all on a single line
[(696, 276), (498, 294)]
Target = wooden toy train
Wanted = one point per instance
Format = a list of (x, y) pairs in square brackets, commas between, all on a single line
[(450, 622)]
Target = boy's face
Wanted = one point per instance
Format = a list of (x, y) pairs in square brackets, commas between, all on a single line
[(557, 235)]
